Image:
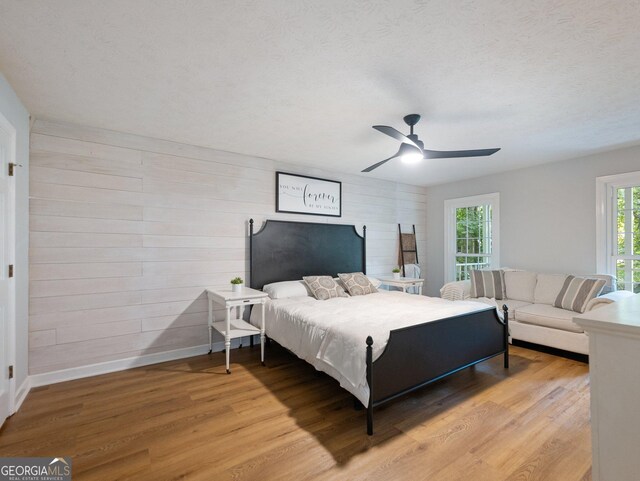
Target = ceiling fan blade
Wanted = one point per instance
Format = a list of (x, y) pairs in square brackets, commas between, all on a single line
[(391, 132), (447, 154), (375, 166)]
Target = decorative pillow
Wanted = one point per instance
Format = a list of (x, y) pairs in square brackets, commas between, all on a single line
[(374, 281), (520, 285), (548, 287), (324, 287), (487, 284), (284, 289), (577, 292), (357, 284)]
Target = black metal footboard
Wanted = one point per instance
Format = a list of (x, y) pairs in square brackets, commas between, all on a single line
[(418, 355)]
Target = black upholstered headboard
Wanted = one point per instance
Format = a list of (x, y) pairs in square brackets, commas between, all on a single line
[(286, 251)]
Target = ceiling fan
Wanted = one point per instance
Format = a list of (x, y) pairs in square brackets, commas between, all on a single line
[(412, 149)]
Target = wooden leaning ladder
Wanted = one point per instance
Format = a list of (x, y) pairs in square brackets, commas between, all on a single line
[(408, 248)]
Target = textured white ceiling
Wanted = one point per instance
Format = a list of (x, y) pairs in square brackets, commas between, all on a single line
[(303, 81)]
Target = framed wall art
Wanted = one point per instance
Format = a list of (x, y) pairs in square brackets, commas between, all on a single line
[(301, 194)]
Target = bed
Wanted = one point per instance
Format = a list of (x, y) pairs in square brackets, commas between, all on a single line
[(350, 338)]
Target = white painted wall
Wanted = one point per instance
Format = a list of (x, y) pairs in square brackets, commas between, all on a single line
[(547, 214), (13, 110), (127, 231)]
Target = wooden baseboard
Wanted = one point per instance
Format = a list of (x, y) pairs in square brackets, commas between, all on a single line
[(21, 394)]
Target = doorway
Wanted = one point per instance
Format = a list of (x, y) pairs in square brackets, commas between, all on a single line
[(7, 283)]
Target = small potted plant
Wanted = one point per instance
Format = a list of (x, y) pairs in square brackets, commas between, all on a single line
[(236, 284), (396, 272)]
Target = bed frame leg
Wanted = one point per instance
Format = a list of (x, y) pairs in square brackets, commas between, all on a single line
[(505, 310), (369, 377)]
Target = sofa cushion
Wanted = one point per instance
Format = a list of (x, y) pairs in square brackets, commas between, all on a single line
[(520, 285), (514, 305), (548, 287), (548, 316), (576, 292), (487, 284)]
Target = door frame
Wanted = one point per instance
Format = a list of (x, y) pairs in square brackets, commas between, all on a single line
[(11, 234)]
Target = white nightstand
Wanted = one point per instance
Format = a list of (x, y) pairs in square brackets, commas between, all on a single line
[(403, 283), (236, 327)]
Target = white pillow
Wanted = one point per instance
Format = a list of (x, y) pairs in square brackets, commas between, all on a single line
[(548, 287), (520, 285), (284, 289), (375, 281)]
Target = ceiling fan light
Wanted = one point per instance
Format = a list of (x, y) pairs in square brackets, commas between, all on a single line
[(412, 149), (411, 158)]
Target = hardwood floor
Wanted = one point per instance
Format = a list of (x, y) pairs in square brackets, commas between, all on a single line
[(187, 419)]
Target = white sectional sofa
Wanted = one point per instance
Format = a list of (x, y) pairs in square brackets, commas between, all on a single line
[(532, 316)]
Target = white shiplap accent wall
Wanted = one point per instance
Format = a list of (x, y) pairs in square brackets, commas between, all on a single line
[(127, 231)]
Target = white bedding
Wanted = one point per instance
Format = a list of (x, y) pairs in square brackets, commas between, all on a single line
[(331, 334)]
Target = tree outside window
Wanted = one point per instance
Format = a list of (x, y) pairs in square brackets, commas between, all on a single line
[(472, 227), (627, 253), (473, 239)]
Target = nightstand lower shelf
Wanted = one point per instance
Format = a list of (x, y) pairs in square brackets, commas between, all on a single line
[(238, 328)]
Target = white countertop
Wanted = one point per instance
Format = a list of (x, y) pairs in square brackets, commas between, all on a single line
[(621, 317)]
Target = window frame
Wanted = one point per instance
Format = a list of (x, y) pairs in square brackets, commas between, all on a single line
[(606, 206), (450, 250)]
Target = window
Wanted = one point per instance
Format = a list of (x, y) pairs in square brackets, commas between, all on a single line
[(472, 226), (619, 221)]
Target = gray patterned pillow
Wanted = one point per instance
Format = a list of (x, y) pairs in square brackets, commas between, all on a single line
[(357, 284), (324, 287), (488, 284), (577, 292)]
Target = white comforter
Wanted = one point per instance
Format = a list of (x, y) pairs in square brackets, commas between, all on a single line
[(331, 334)]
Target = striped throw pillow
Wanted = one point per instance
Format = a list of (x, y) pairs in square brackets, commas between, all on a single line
[(488, 284), (576, 293)]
